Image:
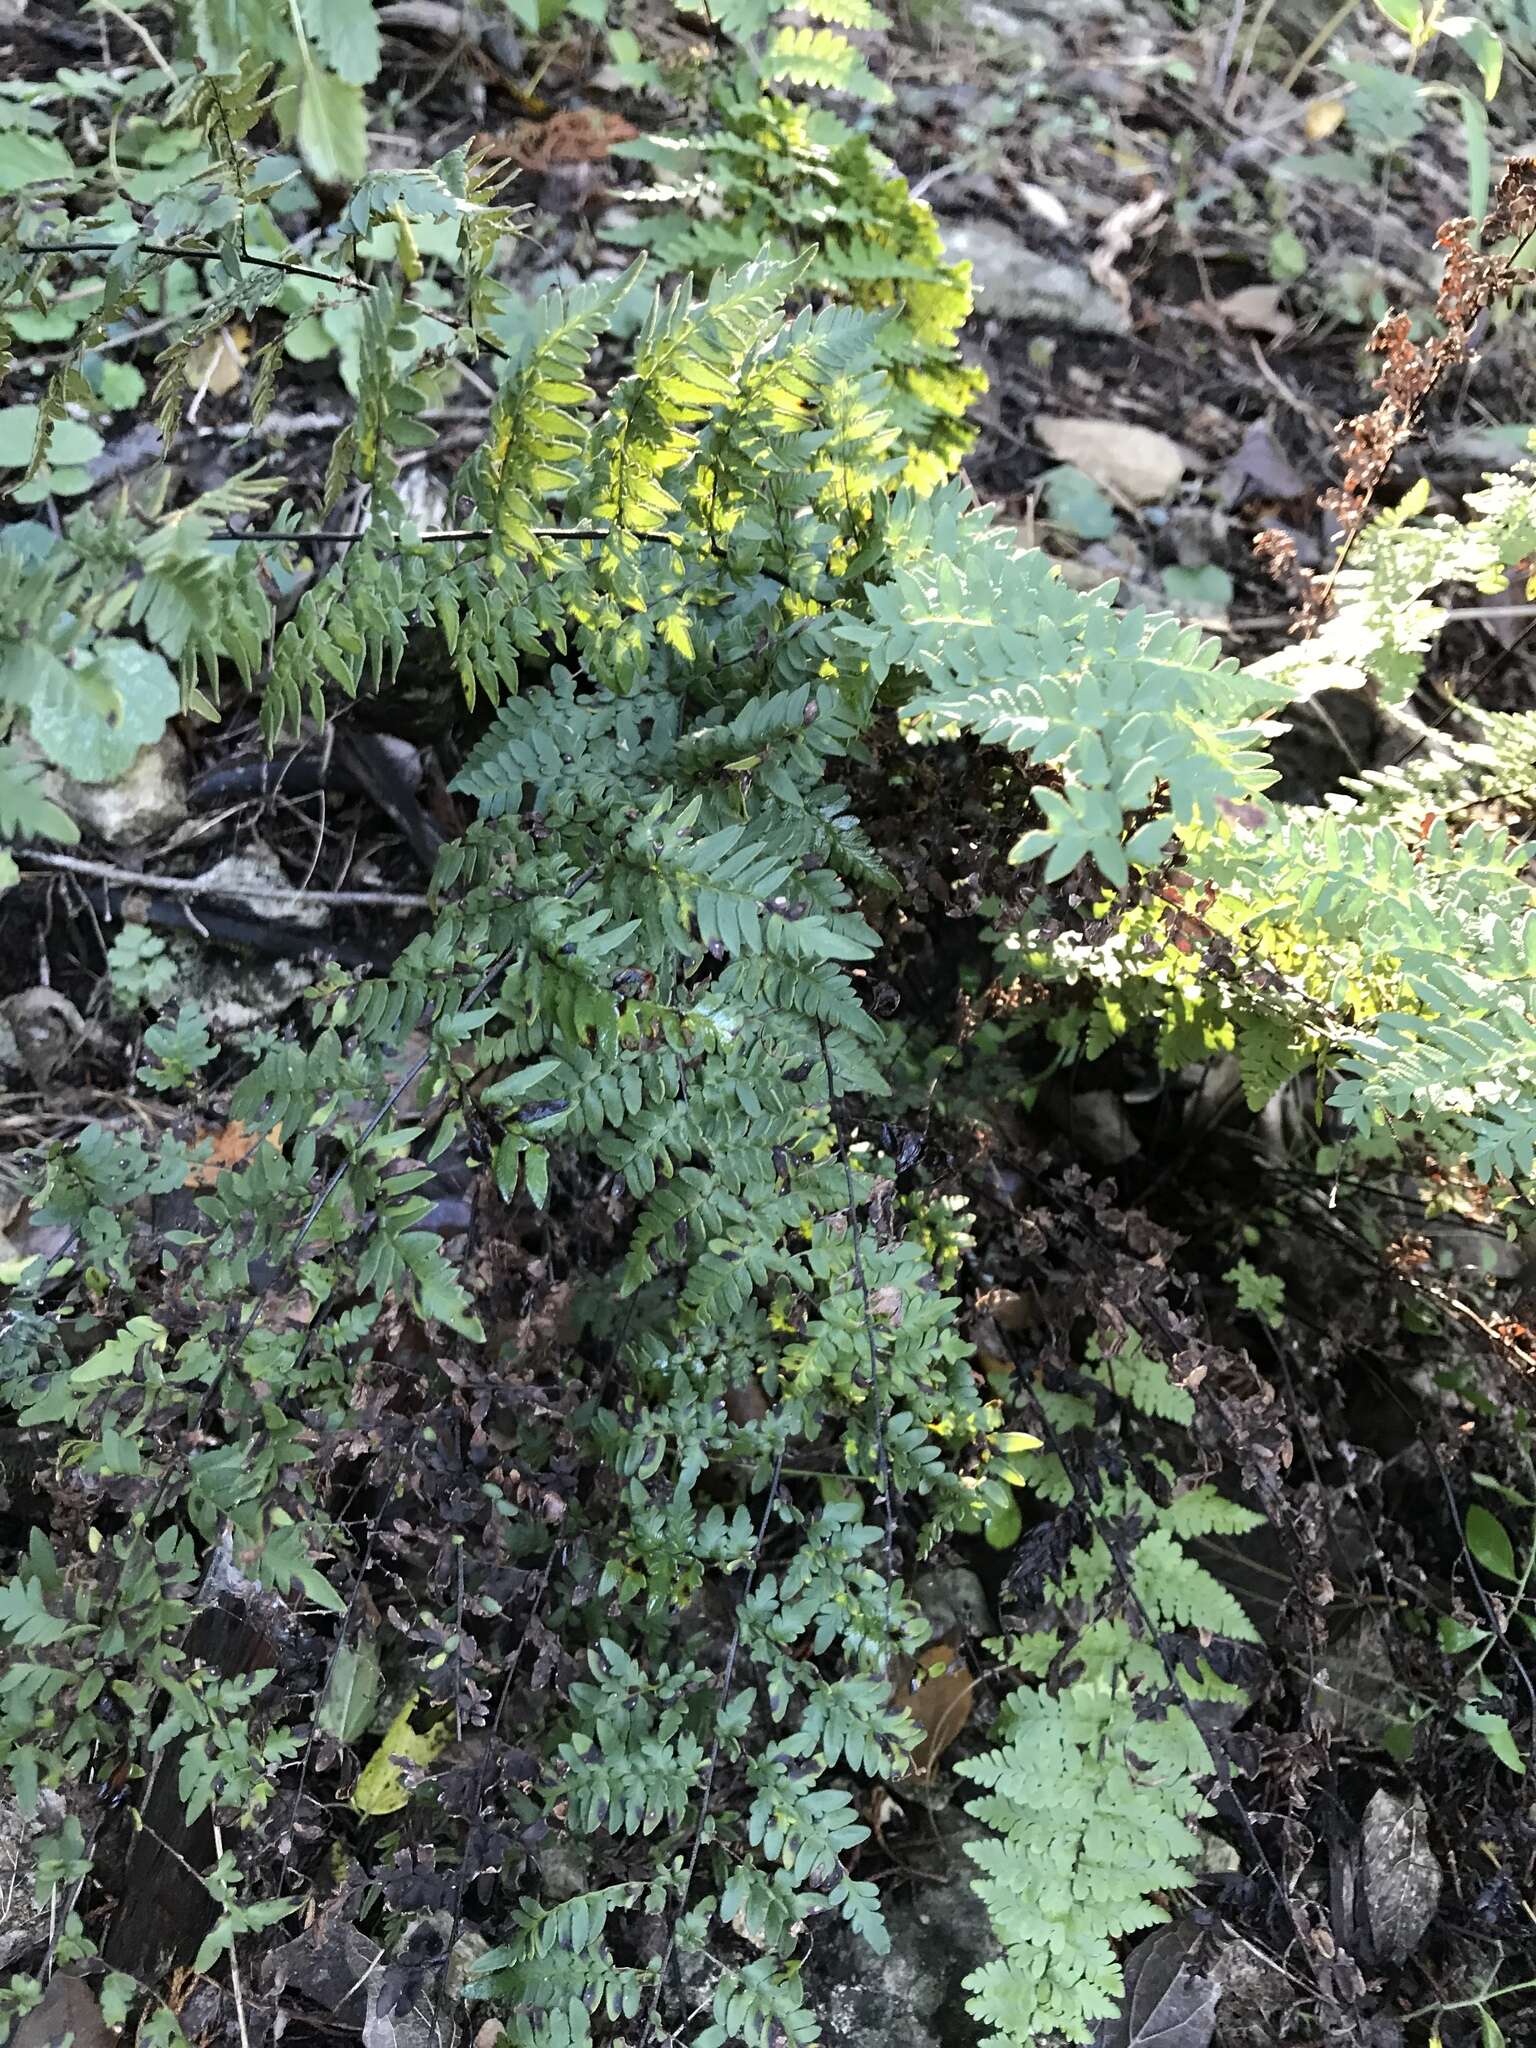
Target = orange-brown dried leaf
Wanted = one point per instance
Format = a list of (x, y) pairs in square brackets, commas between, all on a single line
[(939, 1702), (232, 1144), (576, 135)]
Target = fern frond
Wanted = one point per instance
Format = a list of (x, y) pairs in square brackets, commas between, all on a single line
[(536, 434)]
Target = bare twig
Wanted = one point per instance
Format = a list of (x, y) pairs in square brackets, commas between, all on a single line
[(342, 538), (212, 885), (128, 21), (708, 1793), (882, 1453), (234, 1960), (189, 252)]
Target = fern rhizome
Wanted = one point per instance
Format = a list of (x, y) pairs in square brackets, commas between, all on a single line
[(705, 575)]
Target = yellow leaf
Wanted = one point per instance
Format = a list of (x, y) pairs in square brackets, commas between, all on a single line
[(380, 1785), (1413, 500), (218, 360), (1322, 117), (1008, 1440)]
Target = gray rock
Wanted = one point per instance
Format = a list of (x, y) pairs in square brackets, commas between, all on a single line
[(150, 798), (1014, 282), (255, 878), (954, 1603), (331, 1965), (1217, 1856), (1095, 1119), (939, 1934), (238, 995), (46, 1028)]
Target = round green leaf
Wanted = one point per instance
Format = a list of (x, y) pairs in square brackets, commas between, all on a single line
[(1489, 1543), (1004, 1525), (352, 1692), (28, 159), (93, 719)]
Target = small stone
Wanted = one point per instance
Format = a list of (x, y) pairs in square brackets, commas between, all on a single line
[(150, 798), (255, 878), (1138, 465), (1217, 1856), (1013, 282), (954, 1603), (46, 1028)]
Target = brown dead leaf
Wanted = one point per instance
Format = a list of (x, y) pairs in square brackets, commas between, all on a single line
[(67, 2013), (1009, 1309), (1402, 1876), (576, 135), (1260, 467), (1256, 310), (746, 1403), (1116, 238), (1138, 464), (887, 1302), (232, 1143), (939, 1701)]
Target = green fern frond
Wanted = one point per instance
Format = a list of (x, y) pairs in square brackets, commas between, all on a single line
[(536, 432)]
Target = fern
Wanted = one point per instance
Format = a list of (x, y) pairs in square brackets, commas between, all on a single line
[(713, 578), (534, 428), (26, 810), (774, 177), (1091, 1790)]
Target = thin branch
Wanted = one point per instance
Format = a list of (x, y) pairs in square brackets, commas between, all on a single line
[(234, 1961), (211, 885), (707, 1796), (311, 535), (1495, 1624), (1483, 1998), (882, 1454), (120, 14), (191, 253)]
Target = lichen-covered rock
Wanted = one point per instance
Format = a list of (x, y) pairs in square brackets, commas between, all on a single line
[(24, 1923), (148, 799), (1012, 281), (939, 1934)]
